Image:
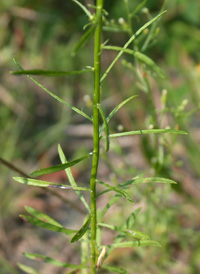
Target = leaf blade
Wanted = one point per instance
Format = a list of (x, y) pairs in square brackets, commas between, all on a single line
[(79, 234), (55, 96), (27, 269), (40, 183), (136, 243), (59, 167)]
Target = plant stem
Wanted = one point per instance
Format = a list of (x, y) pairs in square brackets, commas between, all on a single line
[(95, 159)]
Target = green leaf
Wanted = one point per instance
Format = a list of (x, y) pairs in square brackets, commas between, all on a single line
[(105, 123), (128, 43), (112, 113), (55, 96), (45, 259), (71, 178), (129, 51), (129, 232), (87, 12), (115, 29), (49, 73), (138, 8), (37, 222), (118, 190), (115, 269), (148, 131), (60, 167), (79, 234), (136, 243), (27, 269), (148, 61), (40, 183), (147, 180), (41, 216), (84, 39), (112, 201)]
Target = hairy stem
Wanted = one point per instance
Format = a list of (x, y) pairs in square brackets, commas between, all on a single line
[(96, 101)]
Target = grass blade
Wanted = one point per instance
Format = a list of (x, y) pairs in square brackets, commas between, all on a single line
[(136, 243), (115, 269), (79, 234), (128, 232), (55, 96), (118, 190), (148, 131), (112, 113), (71, 178), (39, 223), (50, 73), (59, 167), (105, 123), (27, 269), (45, 259), (87, 12), (129, 42), (40, 183), (41, 216), (84, 39)]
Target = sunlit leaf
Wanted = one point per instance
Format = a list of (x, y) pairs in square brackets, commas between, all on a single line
[(55, 96), (39, 223), (41, 216), (148, 131), (147, 180), (71, 177), (60, 167), (27, 269), (129, 232), (79, 234), (39, 183), (136, 243), (129, 42), (118, 190)]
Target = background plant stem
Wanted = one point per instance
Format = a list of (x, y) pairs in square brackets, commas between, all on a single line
[(96, 101)]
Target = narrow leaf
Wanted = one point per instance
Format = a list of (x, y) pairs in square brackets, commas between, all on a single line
[(148, 131), (148, 61), (115, 269), (84, 39), (115, 29), (105, 123), (136, 243), (129, 51), (118, 190), (27, 269), (60, 167), (71, 177), (112, 201), (112, 113), (79, 234), (39, 223), (55, 96), (87, 12), (45, 259), (129, 232), (147, 180), (129, 42), (50, 73), (40, 183), (41, 216), (138, 8)]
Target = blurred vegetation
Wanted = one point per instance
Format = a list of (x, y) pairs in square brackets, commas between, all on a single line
[(42, 35)]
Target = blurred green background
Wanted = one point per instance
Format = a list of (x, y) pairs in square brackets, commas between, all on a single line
[(41, 35)]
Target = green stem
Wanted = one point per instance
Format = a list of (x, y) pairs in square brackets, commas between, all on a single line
[(95, 160)]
